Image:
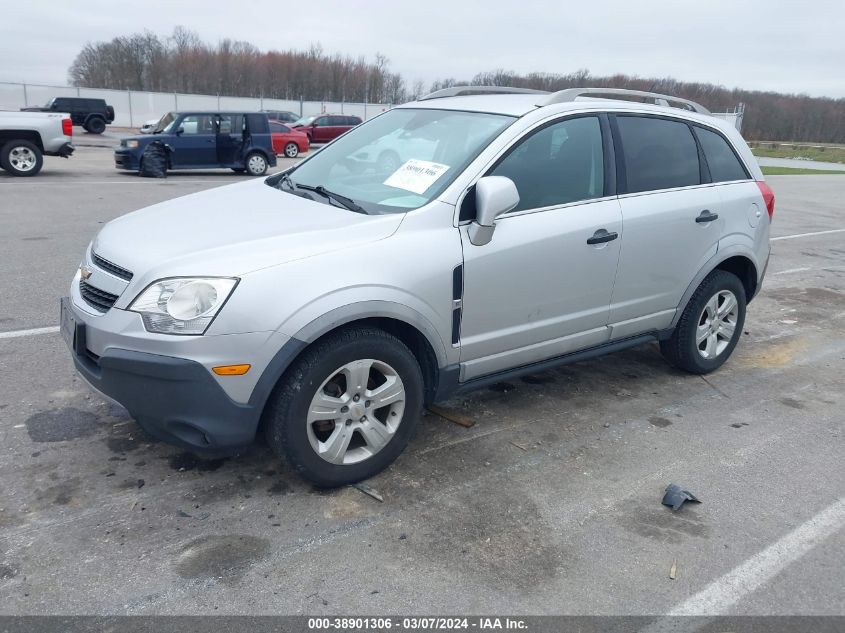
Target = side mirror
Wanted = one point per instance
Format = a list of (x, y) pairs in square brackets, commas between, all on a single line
[(494, 195), (180, 131)]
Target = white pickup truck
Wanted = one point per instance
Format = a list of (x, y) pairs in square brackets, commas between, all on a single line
[(26, 137)]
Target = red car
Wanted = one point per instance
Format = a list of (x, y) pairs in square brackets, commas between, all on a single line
[(322, 128), (287, 141)]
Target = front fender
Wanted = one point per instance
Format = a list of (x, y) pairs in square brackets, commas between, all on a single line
[(324, 319)]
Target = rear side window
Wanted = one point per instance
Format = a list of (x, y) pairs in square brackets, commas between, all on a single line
[(659, 154), (257, 123), (721, 159), (558, 164)]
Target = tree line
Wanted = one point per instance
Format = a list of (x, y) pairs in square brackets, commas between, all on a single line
[(182, 62)]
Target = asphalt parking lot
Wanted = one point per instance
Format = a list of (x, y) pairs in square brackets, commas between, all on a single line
[(548, 504)]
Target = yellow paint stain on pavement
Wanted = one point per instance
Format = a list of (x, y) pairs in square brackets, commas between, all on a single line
[(773, 354)]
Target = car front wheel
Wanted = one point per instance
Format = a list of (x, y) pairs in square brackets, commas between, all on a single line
[(710, 325), (347, 408), (291, 150), (256, 164)]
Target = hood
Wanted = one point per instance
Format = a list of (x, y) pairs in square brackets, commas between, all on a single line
[(232, 230)]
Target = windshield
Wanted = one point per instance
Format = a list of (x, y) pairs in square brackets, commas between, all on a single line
[(165, 122), (305, 120), (400, 160)]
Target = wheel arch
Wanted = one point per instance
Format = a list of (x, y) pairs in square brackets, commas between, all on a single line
[(733, 260), (22, 135), (423, 345)]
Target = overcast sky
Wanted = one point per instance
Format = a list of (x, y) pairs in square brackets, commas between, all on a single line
[(786, 46)]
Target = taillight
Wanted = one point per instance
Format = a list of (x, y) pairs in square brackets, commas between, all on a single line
[(67, 127), (768, 197)]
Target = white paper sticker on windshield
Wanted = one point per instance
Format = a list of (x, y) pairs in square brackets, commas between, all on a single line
[(416, 175)]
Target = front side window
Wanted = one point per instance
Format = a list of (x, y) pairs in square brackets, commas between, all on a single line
[(558, 164), (721, 159), (399, 160), (197, 124), (659, 153)]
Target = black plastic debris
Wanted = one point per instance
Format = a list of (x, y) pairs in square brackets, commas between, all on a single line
[(154, 161), (675, 497)]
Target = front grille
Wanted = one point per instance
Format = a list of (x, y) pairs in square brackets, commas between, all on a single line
[(98, 299), (114, 269)]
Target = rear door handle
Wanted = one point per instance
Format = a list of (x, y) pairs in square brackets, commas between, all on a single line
[(706, 216), (601, 236)]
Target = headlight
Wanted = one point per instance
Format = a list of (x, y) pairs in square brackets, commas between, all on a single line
[(132, 144), (184, 305)]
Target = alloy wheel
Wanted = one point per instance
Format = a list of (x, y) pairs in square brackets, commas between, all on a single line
[(717, 324), (356, 411), (22, 158)]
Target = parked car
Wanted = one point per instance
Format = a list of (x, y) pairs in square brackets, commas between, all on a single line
[(200, 140), (25, 137), (285, 116), (332, 305), (322, 128), (149, 126), (388, 153), (287, 141), (91, 114)]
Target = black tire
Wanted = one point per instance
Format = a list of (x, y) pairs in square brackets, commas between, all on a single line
[(291, 150), (95, 125), (255, 164), (681, 349), (287, 429), (21, 158)]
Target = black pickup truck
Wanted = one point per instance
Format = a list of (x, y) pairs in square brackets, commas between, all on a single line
[(91, 114)]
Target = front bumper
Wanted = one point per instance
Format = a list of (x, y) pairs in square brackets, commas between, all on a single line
[(126, 159), (175, 399)]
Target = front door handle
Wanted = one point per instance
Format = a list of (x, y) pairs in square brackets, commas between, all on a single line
[(601, 236), (706, 216)]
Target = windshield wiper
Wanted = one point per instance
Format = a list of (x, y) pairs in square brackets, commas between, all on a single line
[(345, 202)]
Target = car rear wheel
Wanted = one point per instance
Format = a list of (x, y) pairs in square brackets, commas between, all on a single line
[(95, 125), (21, 158), (291, 150), (347, 408), (256, 164), (710, 325)]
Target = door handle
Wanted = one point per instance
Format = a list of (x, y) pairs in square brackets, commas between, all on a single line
[(706, 216), (601, 236)]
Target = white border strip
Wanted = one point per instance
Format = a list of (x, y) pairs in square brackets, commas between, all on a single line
[(39, 330), (792, 237)]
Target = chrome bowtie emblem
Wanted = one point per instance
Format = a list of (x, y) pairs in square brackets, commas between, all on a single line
[(85, 272)]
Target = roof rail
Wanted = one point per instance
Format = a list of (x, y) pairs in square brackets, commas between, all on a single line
[(571, 94), (460, 91)]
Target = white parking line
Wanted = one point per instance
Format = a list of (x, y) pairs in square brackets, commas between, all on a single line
[(720, 595), (792, 270), (797, 235), (39, 330)]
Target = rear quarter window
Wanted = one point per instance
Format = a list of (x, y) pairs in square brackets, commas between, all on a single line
[(257, 123), (721, 158), (659, 153)]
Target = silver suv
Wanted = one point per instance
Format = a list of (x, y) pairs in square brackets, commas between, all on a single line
[(506, 232)]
